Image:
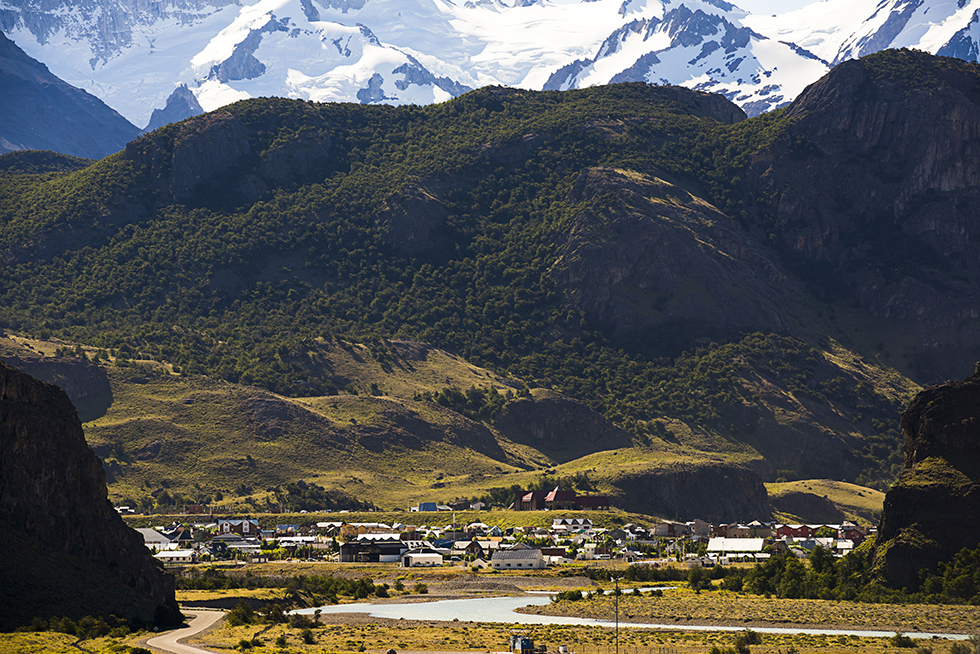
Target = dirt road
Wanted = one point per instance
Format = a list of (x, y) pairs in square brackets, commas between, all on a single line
[(199, 621)]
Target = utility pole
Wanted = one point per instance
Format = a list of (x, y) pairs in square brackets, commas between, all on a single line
[(616, 579)]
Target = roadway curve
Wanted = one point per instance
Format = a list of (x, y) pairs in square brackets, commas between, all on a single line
[(200, 620)]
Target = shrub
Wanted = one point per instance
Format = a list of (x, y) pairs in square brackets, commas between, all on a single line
[(308, 636), (281, 640), (421, 589), (241, 614), (901, 640), (570, 595)]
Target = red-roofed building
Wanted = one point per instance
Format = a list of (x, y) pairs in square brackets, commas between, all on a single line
[(558, 499)]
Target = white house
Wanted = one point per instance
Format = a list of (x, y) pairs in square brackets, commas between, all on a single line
[(423, 557), (176, 557), (523, 558)]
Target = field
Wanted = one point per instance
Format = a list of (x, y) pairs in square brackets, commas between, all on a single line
[(683, 606)]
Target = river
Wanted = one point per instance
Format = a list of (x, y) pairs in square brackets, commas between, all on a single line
[(502, 610)]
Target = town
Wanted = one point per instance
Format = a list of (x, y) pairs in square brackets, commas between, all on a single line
[(479, 545)]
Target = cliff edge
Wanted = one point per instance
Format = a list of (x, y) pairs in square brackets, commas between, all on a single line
[(72, 555), (933, 511)]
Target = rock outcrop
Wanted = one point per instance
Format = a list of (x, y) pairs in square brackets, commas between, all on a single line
[(933, 511), (86, 384), (645, 259), (413, 221), (559, 427), (716, 492), (72, 554)]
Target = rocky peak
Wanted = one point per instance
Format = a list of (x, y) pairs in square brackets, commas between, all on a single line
[(932, 512), (873, 188), (53, 493), (181, 104)]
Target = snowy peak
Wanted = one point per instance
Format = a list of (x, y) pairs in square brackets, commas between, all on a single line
[(700, 50), (133, 54)]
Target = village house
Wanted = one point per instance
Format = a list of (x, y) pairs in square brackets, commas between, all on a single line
[(176, 557), (727, 548), (373, 548), (518, 558), (558, 499), (156, 541), (423, 557), (247, 528)]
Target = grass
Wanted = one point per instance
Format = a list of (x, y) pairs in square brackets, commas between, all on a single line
[(47, 642), (857, 503), (682, 605), (342, 634), (197, 436)]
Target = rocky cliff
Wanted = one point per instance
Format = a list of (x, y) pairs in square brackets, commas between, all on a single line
[(644, 258), (685, 491), (871, 192), (72, 554), (559, 427), (933, 511)]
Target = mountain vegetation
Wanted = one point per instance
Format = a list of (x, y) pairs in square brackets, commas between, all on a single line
[(707, 285)]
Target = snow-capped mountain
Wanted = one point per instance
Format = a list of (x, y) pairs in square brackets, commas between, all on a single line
[(133, 54)]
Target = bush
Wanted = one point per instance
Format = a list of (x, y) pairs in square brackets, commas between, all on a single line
[(901, 640), (297, 621), (569, 595), (421, 589), (241, 614), (308, 636), (281, 640)]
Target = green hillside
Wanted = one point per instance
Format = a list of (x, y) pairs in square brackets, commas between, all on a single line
[(623, 246)]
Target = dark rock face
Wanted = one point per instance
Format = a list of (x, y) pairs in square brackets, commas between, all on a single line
[(53, 494), (296, 158), (87, 385), (872, 195), (808, 507), (646, 257), (933, 511), (413, 221), (180, 105), (713, 492), (559, 427), (202, 150), (39, 111)]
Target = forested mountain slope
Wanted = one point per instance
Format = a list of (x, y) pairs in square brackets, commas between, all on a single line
[(631, 246)]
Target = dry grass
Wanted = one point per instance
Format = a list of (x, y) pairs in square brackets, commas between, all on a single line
[(355, 633), (724, 608), (47, 642), (857, 503)]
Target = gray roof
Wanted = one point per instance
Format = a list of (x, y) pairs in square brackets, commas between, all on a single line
[(517, 555), (152, 535)]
